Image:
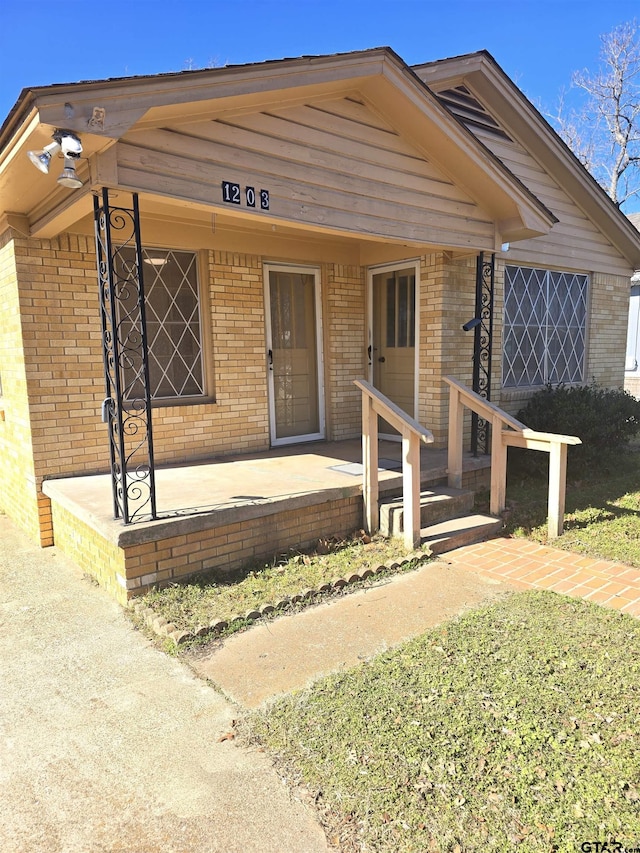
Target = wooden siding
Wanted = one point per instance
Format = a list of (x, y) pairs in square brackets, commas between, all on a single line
[(331, 164), (574, 242)]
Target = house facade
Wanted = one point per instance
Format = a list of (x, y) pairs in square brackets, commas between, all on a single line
[(298, 224)]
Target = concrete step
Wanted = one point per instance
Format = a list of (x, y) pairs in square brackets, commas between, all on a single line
[(437, 504), (448, 535)]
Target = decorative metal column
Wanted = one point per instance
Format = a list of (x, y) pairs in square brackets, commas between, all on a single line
[(482, 344), (127, 407)]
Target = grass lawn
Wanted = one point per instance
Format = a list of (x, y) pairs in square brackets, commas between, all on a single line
[(210, 598), (513, 727)]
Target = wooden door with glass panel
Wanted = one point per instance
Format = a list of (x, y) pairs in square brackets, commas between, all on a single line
[(394, 338)]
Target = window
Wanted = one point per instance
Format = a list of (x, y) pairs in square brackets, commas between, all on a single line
[(545, 316), (400, 308), (174, 328)]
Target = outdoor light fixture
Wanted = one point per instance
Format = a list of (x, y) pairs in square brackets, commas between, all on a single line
[(42, 159), (71, 147), (635, 278), (471, 324)]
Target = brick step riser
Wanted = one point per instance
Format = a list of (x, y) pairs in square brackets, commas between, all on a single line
[(469, 530)]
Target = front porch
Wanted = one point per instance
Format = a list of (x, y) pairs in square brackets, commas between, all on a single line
[(227, 512)]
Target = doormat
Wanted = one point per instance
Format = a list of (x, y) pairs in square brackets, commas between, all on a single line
[(356, 469)]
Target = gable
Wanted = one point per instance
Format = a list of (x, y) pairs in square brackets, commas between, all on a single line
[(591, 230), (333, 163)]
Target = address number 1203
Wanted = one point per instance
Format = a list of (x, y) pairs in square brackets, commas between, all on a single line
[(232, 194)]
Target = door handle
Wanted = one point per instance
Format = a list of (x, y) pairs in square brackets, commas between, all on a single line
[(369, 353), (270, 358), (382, 359)]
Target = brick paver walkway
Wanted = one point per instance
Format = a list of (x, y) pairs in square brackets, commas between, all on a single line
[(529, 565)]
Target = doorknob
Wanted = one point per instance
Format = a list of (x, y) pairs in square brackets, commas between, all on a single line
[(382, 358)]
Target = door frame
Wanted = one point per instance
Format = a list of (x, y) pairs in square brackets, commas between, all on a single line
[(412, 263), (268, 267)]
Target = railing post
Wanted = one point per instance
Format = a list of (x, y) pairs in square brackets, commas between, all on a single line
[(557, 488), (411, 489), (454, 452), (370, 465), (498, 497)]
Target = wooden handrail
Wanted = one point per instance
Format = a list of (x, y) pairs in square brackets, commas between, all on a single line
[(373, 404), (392, 413), (507, 431)]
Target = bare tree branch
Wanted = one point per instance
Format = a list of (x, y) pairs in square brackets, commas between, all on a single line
[(605, 134)]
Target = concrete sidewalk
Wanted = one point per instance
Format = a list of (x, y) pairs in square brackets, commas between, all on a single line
[(292, 651), (107, 744)]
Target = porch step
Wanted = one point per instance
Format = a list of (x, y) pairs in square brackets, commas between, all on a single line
[(436, 505), (448, 535)]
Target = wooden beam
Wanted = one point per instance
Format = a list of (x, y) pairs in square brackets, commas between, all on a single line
[(411, 489), (370, 466), (456, 429), (17, 221), (557, 488), (497, 501)]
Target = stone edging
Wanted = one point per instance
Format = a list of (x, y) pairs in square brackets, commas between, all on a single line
[(165, 629)]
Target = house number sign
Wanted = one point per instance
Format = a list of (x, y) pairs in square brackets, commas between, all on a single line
[(232, 194)]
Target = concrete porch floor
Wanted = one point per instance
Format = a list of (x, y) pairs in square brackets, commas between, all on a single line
[(246, 486)]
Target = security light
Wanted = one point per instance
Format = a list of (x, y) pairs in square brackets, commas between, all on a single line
[(70, 146), (68, 177), (42, 159)]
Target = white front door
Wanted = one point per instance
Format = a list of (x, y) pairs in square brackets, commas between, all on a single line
[(294, 353), (393, 334)]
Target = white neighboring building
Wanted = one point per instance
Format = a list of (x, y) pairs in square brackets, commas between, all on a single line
[(632, 361)]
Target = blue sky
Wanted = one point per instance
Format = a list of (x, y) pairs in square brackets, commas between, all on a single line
[(539, 43)]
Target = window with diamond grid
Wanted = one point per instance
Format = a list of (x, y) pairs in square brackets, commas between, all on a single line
[(545, 316), (173, 324)]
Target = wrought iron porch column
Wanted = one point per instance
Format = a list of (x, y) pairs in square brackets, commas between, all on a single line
[(482, 345), (127, 405)]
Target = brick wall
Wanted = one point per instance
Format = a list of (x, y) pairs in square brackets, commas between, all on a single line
[(607, 343), (447, 301), (17, 480), (130, 570), (345, 350)]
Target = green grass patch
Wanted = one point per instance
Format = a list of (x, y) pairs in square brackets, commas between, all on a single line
[(602, 517), (513, 727), (222, 597)]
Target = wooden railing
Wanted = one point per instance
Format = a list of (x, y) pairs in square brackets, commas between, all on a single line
[(506, 432), (373, 404)]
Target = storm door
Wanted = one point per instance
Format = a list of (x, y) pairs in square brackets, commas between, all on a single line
[(393, 336), (294, 354)]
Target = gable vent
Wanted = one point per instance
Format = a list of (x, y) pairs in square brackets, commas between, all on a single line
[(470, 111)]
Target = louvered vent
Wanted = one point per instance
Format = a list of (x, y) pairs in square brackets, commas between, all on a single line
[(470, 111)]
